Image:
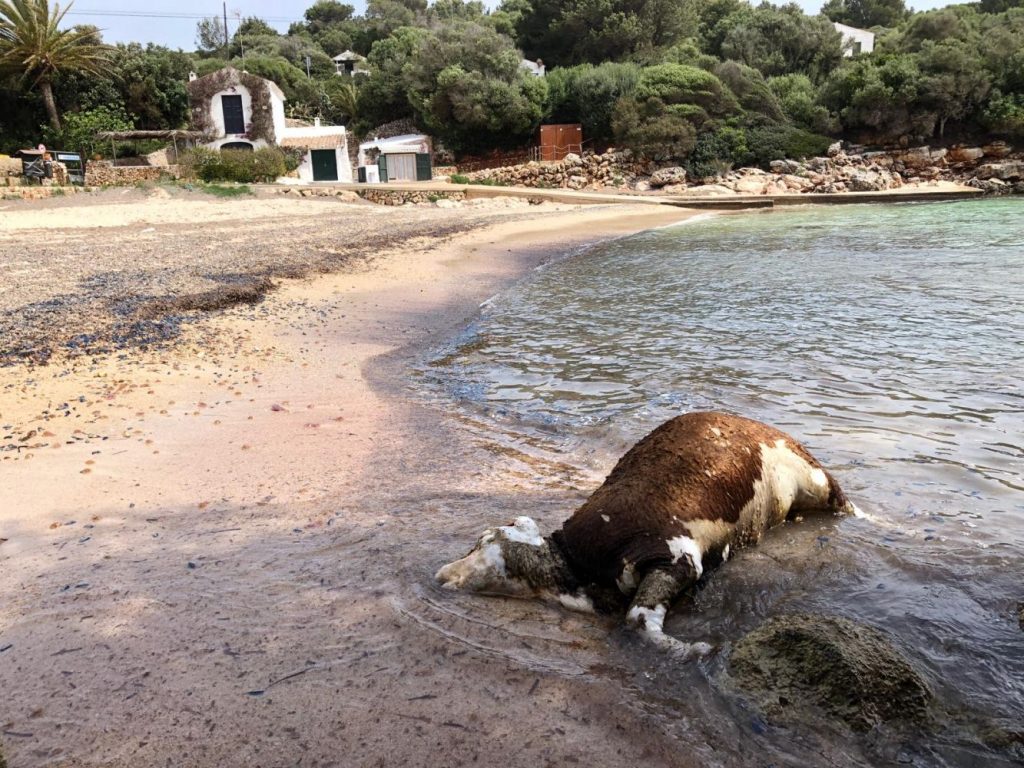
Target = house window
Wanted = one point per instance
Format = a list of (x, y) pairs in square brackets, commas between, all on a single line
[(856, 47), (234, 119)]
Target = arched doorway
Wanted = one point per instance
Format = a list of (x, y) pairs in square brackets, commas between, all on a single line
[(245, 146)]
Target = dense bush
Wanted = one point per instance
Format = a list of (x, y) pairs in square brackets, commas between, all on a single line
[(716, 152), (670, 105), (588, 95), (798, 98), (772, 142), (264, 165)]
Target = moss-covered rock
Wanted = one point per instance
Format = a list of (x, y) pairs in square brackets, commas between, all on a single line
[(851, 672)]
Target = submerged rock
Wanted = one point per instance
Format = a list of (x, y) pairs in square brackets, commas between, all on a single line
[(852, 672)]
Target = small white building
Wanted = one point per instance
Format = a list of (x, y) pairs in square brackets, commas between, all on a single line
[(326, 156), (350, 63), (237, 110), (535, 68), (398, 158), (855, 40)]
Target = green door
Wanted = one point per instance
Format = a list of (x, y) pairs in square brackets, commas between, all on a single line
[(325, 165), (424, 168)]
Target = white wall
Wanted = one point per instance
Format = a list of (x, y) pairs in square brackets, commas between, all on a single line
[(277, 112), (217, 116), (217, 108), (852, 35)]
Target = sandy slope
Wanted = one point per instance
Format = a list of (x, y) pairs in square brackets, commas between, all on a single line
[(220, 553)]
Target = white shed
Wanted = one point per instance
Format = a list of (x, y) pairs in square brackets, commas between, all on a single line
[(399, 158), (326, 155)]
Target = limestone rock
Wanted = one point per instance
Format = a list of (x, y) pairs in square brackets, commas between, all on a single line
[(708, 190), (965, 154), (750, 186), (1009, 170), (916, 157), (834, 149), (665, 176), (795, 664), (991, 186), (865, 181), (997, 149), (785, 166)]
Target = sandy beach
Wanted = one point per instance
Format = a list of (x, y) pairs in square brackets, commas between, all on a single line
[(217, 534)]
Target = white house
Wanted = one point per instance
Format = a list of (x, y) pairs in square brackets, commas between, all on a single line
[(237, 110), (855, 40), (535, 68), (350, 63)]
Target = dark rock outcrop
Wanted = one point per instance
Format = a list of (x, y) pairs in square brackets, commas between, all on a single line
[(794, 664)]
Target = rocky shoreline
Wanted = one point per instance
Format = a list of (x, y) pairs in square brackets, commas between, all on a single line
[(994, 169)]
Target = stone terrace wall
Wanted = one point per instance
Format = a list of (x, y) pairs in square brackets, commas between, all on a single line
[(102, 174), (612, 169), (401, 197)]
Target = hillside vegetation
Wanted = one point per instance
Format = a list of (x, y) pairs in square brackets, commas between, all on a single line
[(705, 82)]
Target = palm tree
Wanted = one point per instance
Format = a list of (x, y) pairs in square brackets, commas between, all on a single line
[(32, 44)]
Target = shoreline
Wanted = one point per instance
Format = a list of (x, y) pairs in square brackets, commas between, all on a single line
[(179, 500)]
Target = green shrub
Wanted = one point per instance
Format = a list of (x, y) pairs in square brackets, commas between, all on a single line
[(241, 166), (799, 99), (458, 178), (716, 152), (1004, 115), (776, 142), (587, 94)]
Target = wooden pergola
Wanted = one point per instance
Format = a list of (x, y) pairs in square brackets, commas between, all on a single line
[(173, 136)]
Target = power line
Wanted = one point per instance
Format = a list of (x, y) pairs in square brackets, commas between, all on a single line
[(158, 15)]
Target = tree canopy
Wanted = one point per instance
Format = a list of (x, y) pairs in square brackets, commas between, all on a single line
[(705, 81)]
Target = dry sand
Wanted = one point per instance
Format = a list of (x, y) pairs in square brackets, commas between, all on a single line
[(218, 551)]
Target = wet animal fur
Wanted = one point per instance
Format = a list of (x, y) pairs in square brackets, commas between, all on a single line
[(677, 502)]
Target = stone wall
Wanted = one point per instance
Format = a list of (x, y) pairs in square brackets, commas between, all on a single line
[(993, 168), (612, 169), (35, 192), (103, 174), (401, 197)]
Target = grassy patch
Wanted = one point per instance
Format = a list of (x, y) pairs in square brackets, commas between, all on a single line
[(458, 178), (222, 190)]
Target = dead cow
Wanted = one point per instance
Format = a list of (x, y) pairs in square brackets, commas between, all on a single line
[(676, 503)]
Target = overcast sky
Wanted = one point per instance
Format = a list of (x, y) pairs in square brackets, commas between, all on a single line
[(160, 21)]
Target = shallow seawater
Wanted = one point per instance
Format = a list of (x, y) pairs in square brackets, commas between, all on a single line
[(890, 340)]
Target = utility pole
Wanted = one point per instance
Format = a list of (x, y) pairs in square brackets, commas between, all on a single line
[(227, 40)]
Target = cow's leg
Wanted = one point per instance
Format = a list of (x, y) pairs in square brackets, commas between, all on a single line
[(658, 590)]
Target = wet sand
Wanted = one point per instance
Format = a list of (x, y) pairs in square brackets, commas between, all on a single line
[(218, 551)]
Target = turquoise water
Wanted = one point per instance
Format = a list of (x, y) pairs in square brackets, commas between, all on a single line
[(890, 339)]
